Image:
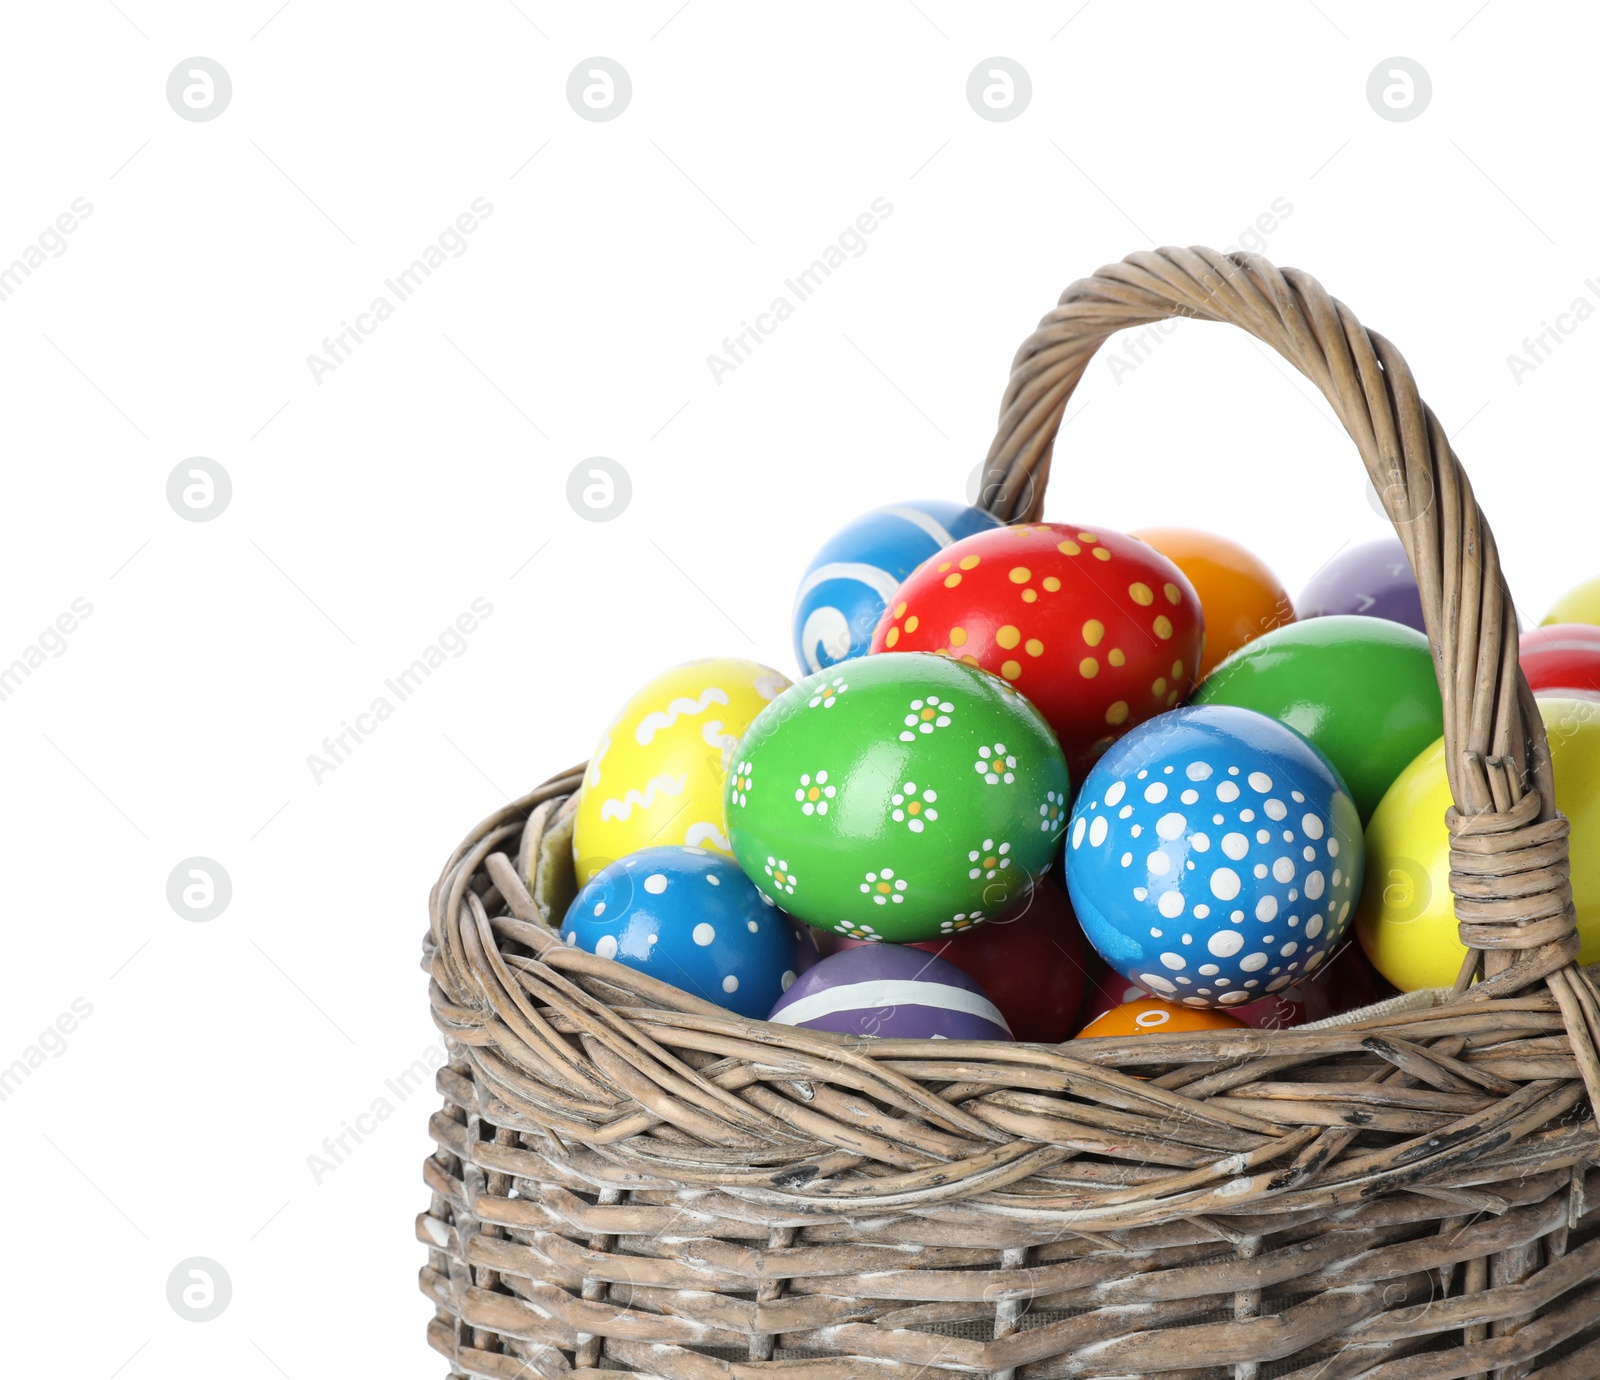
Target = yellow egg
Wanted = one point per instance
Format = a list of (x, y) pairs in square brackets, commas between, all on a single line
[(1406, 921), (656, 776), (1580, 604)]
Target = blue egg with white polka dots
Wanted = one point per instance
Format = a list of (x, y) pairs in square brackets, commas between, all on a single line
[(691, 918), (1214, 856), (850, 581)]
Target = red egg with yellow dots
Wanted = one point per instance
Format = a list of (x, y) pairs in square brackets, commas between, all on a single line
[(1099, 630)]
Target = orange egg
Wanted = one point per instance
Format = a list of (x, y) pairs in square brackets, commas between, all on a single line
[(1152, 1016), (1240, 596)]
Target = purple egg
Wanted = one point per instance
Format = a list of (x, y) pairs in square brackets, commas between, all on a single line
[(894, 992), (1374, 579)]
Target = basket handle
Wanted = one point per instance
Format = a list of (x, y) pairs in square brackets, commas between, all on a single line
[(1509, 855)]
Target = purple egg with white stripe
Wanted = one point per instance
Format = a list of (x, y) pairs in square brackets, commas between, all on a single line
[(894, 992)]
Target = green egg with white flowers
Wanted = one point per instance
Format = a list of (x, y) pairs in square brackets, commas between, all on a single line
[(897, 797)]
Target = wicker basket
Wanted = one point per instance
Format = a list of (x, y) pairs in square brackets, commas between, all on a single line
[(630, 1179)]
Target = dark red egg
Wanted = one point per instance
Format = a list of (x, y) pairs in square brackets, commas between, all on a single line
[(808, 950), (1099, 630), (1109, 991), (1031, 963)]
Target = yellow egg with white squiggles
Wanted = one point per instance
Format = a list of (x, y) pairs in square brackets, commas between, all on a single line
[(657, 774)]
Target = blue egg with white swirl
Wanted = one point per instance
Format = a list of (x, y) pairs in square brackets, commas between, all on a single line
[(850, 581), (691, 918), (1214, 855)]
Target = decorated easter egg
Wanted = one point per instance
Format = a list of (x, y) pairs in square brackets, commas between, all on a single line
[(893, 992), (1362, 690), (849, 582), (656, 776), (1100, 631), (1562, 659), (900, 797), (1239, 595), (1030, 962), (1373, 580), (690, 918), (1214, 856), (1580, 604), (1152, 1016), (1406, 920)]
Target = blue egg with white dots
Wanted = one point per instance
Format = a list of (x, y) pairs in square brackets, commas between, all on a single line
[(1214, 856), (691, 918), (850, 581)]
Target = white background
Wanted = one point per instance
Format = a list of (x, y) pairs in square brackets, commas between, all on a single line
[(369, 510)]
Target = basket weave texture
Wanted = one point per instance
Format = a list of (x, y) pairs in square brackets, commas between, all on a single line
[(629, 1179)]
